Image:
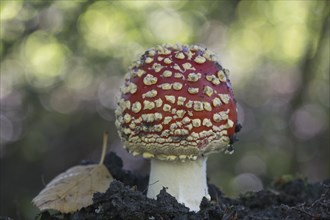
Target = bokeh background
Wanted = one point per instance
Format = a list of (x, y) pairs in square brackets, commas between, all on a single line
[(62, 63)]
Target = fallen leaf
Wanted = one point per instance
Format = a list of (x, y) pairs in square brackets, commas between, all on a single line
[(74, 189)]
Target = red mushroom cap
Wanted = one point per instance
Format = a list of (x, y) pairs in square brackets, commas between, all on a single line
[(176, 103)]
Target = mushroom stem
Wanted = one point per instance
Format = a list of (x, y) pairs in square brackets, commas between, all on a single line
[(186, 181)]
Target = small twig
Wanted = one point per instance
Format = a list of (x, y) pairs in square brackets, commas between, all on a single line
[(104, 147), (153, 183), (150, 185)]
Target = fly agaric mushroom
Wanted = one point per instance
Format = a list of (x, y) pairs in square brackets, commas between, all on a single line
[(176, 107)]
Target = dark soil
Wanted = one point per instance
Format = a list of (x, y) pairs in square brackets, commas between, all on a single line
[(126, 199)]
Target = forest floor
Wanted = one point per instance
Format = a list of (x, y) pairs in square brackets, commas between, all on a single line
[(126, 199)]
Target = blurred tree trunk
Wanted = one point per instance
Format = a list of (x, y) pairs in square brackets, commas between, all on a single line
[(307, 69)]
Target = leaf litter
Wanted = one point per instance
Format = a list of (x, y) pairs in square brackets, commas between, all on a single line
[(126, 199), (74, 189)]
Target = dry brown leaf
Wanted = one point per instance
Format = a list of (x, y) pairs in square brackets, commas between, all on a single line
[(74, 189)]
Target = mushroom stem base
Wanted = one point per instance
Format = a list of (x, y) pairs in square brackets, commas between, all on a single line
[(186, 181)]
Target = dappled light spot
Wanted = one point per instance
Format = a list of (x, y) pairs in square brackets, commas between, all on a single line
[(284, 83), (281, 11), (45, 59), (103, 27), (281, 35), (10, 9), (308, 121), (168, 26), (247, 182), (293, 44), (78, 76)]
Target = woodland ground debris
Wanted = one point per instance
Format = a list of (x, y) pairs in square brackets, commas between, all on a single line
[(126, 199)]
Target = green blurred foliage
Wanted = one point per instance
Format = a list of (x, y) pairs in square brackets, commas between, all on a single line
[(62, 63)]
